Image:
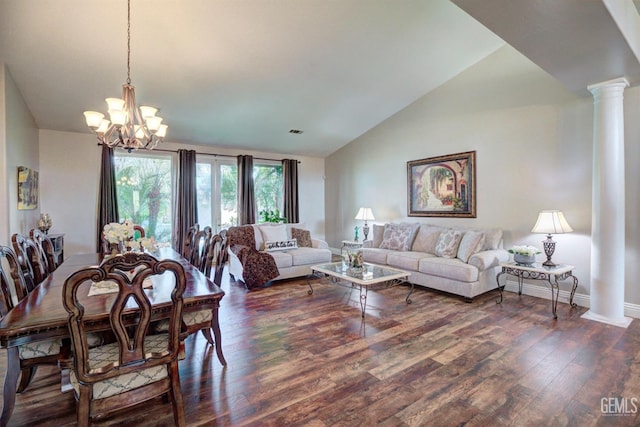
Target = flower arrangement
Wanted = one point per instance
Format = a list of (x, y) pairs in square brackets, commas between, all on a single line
[(118, 233), (524, 250), (122, 236)]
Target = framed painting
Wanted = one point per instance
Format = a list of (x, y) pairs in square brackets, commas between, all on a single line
[(442, 186), (27, 188)]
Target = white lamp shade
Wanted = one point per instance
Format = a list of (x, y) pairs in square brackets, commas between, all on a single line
[(93, 118), (115, 103), (365, 214), (551, 222), (118, 117), (104, 126), (153, 123), (147, 111), (162, 132)]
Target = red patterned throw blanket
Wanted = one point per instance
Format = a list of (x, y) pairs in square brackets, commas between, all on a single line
[(258, 267)]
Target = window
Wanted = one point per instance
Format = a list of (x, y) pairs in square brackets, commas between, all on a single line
[(268, 188), (143, 184), (216, 186), (217, 190)]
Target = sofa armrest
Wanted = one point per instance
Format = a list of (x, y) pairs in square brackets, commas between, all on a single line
[(488, 259), (320, 244)]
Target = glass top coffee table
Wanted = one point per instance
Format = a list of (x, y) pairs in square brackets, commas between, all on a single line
[(369, 276)]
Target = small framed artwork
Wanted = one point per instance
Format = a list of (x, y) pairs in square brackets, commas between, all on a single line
[(27, 188), (442, 186)]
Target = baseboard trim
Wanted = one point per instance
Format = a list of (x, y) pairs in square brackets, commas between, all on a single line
[(631, 310)]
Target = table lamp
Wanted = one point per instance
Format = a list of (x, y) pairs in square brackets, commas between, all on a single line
[(551, 222), (365, 214)]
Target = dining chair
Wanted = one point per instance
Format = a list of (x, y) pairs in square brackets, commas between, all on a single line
[(216, 256), (31, 355), (45, 249), (201, 242), (137, 366), (33, 269), (189, 244), (200, 320)]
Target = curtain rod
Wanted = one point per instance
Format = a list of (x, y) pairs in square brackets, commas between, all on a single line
[(165, 150)]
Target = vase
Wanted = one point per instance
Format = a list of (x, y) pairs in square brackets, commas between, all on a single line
[(524, 259)]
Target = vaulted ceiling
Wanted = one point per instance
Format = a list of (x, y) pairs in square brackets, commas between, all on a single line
[(242, 73)]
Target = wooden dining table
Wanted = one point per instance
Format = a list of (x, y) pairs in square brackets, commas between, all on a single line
[(41, 315)]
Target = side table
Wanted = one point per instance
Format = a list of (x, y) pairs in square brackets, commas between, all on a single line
[(537, 271), (350, 244)]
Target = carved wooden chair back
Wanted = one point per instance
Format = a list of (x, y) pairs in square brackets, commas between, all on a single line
[(27, 357), (216, 256), (189, 242), (135, 357), (46, 249), (34, 268), (138, 231), (20, 248), (201, 242)]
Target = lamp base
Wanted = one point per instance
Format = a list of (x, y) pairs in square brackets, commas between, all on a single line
[(365, 230), (549, 248)]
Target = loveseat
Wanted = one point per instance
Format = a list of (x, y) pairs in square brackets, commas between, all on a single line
[(455, 260), (259, 253)]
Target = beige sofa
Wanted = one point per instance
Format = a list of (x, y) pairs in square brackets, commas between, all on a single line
[(455, 260), (290, 263)]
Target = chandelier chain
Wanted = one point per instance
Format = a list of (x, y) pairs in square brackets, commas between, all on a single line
[(128, 42)]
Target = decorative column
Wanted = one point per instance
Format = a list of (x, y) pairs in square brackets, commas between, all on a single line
[(608, 205)]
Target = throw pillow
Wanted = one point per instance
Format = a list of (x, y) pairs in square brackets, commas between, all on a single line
[(426, 239), (471, 242), (398, 237), (274, 233), (282, 245), (492, 238), (448, 242), (302, 236), (378, 231)]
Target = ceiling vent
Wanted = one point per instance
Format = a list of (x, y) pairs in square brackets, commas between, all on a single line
[(296, 131)]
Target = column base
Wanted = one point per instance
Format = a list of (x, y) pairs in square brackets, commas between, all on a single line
[(623, 322)]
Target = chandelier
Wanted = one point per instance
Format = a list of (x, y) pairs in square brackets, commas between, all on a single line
[(130, 127)]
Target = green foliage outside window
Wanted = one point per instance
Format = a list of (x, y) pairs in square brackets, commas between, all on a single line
[(144, 193)]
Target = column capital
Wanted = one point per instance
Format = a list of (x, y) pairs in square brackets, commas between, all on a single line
[(620, 82)]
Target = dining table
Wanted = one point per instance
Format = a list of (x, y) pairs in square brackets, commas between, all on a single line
[(41, 315)]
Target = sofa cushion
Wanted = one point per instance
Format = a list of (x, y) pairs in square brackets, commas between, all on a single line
[(398, 237), (426, 239), (406, 260), (302, 236), (304, 256), (492, 238), (282, 259), (472, 242), (274, 233), (451, 268), (448, 243), (378, 232), (376, 255)]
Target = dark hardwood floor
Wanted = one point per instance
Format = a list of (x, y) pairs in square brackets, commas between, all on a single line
[(300, 360)]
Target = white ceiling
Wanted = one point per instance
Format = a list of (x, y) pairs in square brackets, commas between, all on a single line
[(242, 73)]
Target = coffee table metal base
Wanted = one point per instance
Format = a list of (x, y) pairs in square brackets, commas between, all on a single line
[(344, 280)]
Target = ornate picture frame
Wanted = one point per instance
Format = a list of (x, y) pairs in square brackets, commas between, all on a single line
[(443, 186)]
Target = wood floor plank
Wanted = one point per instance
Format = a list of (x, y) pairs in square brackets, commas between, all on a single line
[(311, 360)]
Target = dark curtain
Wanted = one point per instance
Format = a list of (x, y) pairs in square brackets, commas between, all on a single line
[(186, 212), (246, 196), (290, 178), (107, 195)]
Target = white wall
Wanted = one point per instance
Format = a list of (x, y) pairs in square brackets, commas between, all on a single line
[(20, 144), (533, 143), (70, 165)]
